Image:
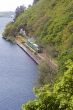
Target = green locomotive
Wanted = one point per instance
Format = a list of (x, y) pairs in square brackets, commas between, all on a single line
[(34, 46)]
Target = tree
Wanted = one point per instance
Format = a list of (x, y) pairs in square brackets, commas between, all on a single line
[(60, 97), (35, 1), (19, 10), (46, 73), (63, 90)]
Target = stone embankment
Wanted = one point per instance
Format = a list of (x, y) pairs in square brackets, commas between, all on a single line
[(34, 57), (37, 58)]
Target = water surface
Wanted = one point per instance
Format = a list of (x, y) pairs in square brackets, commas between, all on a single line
[(18, 74)]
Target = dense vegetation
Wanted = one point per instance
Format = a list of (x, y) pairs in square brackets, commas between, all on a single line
[(19, 10), (51, 23), (35, 1), (60, 97)]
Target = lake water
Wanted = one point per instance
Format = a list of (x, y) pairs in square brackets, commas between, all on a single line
[(18, 74)]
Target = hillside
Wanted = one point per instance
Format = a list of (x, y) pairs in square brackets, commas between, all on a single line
[(51, 24)]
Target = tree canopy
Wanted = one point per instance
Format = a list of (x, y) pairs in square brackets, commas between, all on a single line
[(35, 1), (19, 10), (60, 97)]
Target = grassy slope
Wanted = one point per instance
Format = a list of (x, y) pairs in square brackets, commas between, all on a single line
[(51, 22)]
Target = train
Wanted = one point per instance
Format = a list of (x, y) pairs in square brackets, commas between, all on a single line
[(36, 48)]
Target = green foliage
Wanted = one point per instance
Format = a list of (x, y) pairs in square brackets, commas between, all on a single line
[(58, 98), (18, 11), (46, 74), (45, 100), (35, 1), (64, 89), (50, 21), (9, 33)]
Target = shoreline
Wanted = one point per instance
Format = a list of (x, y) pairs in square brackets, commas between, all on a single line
[(34, 57), (37, 58)]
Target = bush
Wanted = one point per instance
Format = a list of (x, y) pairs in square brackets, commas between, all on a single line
[(60, 97), (46, 74)]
